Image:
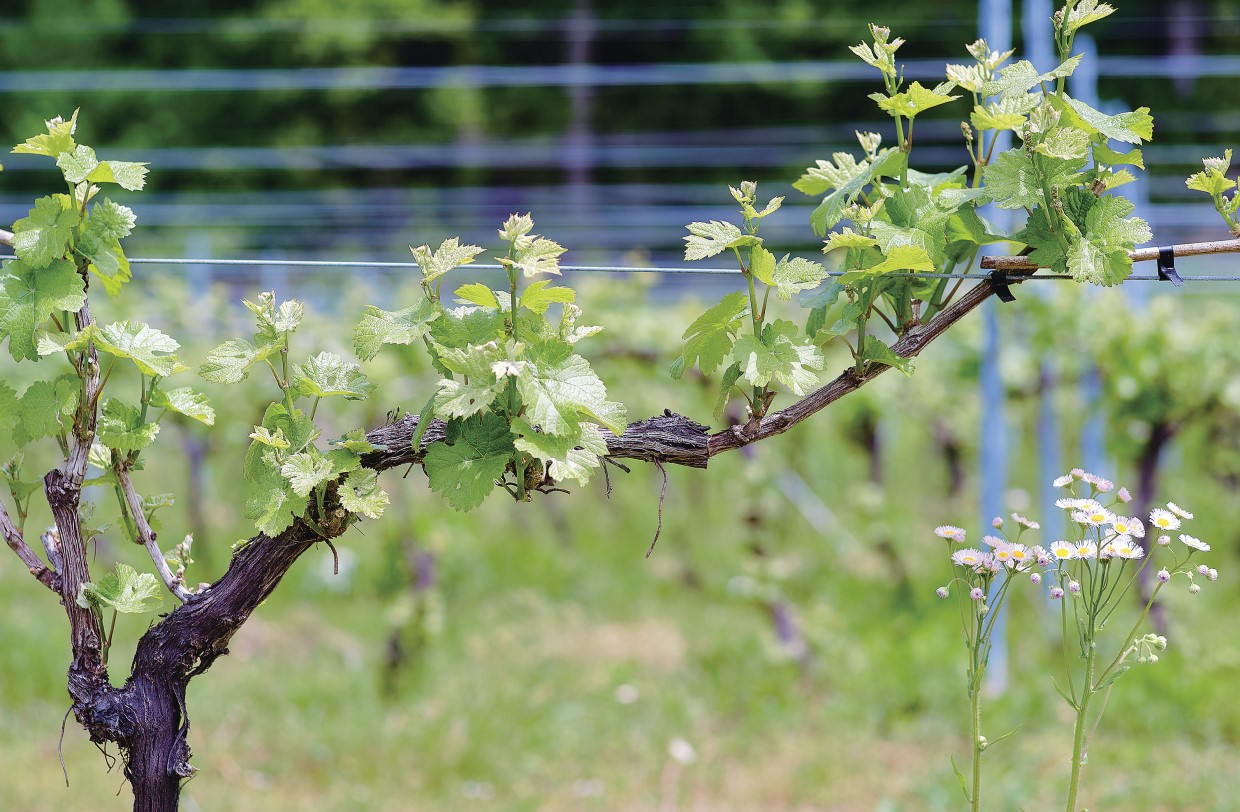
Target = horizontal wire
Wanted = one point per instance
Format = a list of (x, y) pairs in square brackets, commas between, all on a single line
[(671, 271)]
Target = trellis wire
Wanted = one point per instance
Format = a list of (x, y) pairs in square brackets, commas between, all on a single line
[(353, 263)]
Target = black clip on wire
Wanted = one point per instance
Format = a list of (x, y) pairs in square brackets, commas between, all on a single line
[(999, 282), (1166, 267)]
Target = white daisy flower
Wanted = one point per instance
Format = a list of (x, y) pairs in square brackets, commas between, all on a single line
[(1103, 485), (1195, 543), (993, 541), (1106, 552), (1020, 553), (968, 557), (1125, 547), (1029, 523), (1093, 514), (1063, 481), (1164, 520), (1003, 554), (950, 533), (1063, 551), (1086, 550), (1125, 526), (1179, 511), (1079, 473)]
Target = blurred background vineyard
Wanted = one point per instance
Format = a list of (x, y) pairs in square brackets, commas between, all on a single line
[(782, 649)]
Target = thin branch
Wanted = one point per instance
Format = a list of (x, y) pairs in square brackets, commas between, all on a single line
[(147, 535), (28, 556), (1195, 249), (6, 238)]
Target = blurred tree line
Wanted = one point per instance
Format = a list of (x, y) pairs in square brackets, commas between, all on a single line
[(149, 35)]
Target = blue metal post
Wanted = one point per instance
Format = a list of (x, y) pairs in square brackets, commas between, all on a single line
[(995, 24)]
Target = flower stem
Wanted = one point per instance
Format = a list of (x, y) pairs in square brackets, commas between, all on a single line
[(1078, 735), (975, 731)]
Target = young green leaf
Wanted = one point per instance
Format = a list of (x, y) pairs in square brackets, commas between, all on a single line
[(465, 469), (796, 275), (379, 327), (476, 293), (360, 493), (1084, 13), (59, 138), (537, 296), (43, 235), (78, 164), (847, 238), (540, 256), (909, 103), (123, 590), (151, 351), (184, 401), (710, 337), (708, 239), (450, 254), (111, 220), (328, 375), (230, 362), (128, 175), (1130, 128), (560, 389), (9, 414), (272, 504), (29, 295), (354, 440), (1013, 181), (780, 356), (265, 437), (1020, 77), (875, 351), (478, 385), (567, 458), (305, 470), (121, 427), (47, 407)]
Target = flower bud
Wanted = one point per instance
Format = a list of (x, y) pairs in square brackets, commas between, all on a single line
[(1035, 578), (1074, 587), (1163, 541), (1124, 495), (1194, 588), (1163, 576), (976, 593), (1212, 574), (1056, 593), (996, 522), (942, 592), (1153, 658), (1202, 569)]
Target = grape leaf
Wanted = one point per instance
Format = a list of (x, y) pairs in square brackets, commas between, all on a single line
[(1084, 13), (827, 175), (184, 401), (43, 235), (875, 351), (796, 275), (478, 387), (538, 297), (908, 103), (1013, 181), (121, 427), (450, 254), (78, 164), (711, 335), (464, 468), (567, 458), (263, 435), (708, 239), (889, 163), (123, 590), (780, 356), (305, 470), (30, 295), (355, 440), (540, 256), (1020, 77), (111, 220), (360, 493), (328, 375), (47, 407), (59, 138), (272, 504), (1130, 128), (230, 362), (847, 238), (516, 227), (477, 293), (128, 175), (10, 417), (558, 389), (379, 327), (150, 350), (1067, 143)]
